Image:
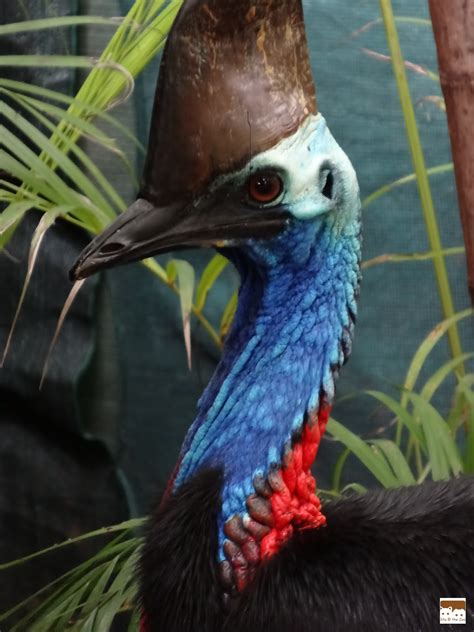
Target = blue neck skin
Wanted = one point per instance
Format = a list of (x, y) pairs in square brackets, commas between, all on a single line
[(292, 328)]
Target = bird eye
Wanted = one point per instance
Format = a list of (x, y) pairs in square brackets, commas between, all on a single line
[(264, 188)]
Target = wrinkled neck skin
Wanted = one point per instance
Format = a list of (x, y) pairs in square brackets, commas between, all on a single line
[(261, 418)]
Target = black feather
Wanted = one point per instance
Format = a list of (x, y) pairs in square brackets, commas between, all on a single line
[(180, 591), (382, 563)]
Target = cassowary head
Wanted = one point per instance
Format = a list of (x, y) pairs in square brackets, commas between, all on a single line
[(238, 152)]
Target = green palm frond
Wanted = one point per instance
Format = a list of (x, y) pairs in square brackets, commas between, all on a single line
[(92, 202), (88, 597)]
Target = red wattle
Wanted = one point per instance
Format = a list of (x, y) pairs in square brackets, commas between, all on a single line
[(294, 502)]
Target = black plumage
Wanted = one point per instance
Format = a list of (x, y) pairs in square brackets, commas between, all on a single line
[(381, 563)]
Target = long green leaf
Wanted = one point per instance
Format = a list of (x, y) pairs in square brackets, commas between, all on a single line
[(162, 274), (435, 381), (401, 413), (338, 469), (376, 464), (354, 487), (134, 625), (396, 460), (425, 349), (462, 400), (184, 272), (13, 214), (211, 273), (386, 188), (88, 625), (469, 451), (97, 593), (86, 127), (124, 578), (88, 110), (56, 22), (51, 61), (228, 315), (465, 410), (72, 171), (109, 550), (53, 606), (128, 525), (45, 223), (6, 236), (87, 185), (401, 19), (156, 268), (416, 256), (36, 179), (83, 209), (85, 574), (444, 456), (58, 618)]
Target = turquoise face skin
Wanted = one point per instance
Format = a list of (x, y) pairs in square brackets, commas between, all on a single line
[(294, 322), (302, 160)]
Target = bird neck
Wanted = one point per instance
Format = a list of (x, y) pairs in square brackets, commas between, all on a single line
[(261, 419)]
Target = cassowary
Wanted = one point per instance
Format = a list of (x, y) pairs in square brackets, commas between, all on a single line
[(241, 160)]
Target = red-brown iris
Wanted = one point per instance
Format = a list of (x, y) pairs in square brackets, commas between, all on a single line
[(264, 188)]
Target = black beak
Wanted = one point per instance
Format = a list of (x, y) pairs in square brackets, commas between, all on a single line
[(144, 230)]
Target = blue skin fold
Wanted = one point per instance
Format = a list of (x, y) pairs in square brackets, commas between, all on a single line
[(293, 325)]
